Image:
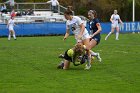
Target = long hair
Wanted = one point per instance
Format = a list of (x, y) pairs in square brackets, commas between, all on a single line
[(79, 48), (68, 12), (93, 12)]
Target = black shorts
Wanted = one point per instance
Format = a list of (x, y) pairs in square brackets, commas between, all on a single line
[(66, 57), (97, 39)]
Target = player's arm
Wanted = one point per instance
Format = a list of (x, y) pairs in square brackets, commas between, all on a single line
[(99, 29), (67, 31), (82, 29), (74, 61), (120, 20), (67, 34), (7, 2), (8, 24), (57, 2), (49, 1), (14, 24), (111, 19)]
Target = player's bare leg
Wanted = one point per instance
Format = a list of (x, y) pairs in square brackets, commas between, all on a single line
[(112, 31), (66, 64)]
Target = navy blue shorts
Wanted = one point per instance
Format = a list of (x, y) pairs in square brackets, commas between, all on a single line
[(97, 39)]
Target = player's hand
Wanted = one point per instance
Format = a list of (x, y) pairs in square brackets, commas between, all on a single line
[(112, 22), (92, 35), (47, 2), (79, 36), (121, 24)]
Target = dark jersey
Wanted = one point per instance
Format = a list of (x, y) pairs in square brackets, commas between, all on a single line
[(93, 26), (67, 57), (75, 56)]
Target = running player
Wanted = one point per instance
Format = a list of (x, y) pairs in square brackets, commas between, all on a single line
[(95, 28), (10, 26), (81, 34), (75, 24), (115, 19)]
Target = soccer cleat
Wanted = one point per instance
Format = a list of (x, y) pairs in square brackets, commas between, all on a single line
[(61, 65), (98, 57), (87, 67), (83, 59)]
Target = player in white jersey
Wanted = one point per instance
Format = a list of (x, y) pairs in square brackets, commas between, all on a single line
[(75, 24), (10, 26), (115, 20), (81, 34)]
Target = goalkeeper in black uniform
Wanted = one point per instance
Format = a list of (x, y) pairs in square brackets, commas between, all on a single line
[(76, 55)]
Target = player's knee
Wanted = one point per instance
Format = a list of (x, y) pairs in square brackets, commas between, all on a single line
[(88, 48)]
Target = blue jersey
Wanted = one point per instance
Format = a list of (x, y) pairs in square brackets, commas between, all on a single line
[(93, 26)]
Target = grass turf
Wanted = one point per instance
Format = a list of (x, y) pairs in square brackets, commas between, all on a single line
[(28, 65)]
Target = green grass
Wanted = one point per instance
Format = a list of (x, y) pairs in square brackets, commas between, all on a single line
[(28, 65)]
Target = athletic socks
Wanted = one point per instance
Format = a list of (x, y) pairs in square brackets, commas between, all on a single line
[(89, 60), (117, 35), (88, 65), (14, 36), (93, 53), (9, 37), (108, 35)]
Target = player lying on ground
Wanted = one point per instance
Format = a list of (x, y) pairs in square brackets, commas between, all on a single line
[(76, 55), (73, 55)]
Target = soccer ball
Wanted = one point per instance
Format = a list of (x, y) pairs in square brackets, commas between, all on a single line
[(70, 52)]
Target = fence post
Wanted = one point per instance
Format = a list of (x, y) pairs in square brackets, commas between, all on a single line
[(34, 7), (59, 9), (17, 7), (50, 7)]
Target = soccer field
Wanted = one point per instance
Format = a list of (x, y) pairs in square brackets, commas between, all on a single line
[(28, 65)]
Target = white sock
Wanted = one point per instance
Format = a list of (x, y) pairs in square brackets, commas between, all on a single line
[(117, 35), (108, 35), (93, 53), (9, 37), (14, 36), (89, 60)]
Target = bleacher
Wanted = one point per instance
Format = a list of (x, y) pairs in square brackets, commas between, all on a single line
[(40, 15)]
